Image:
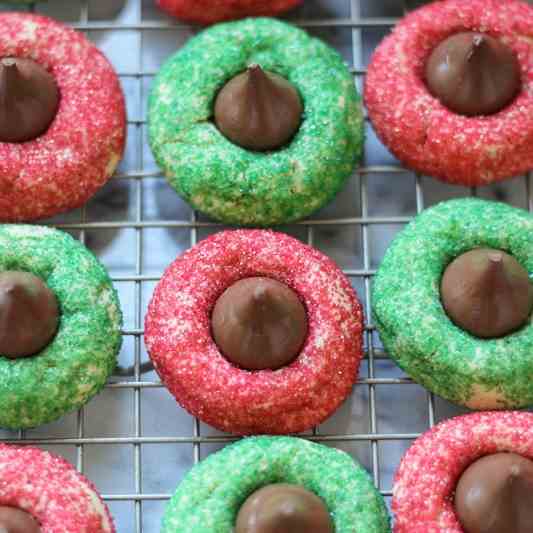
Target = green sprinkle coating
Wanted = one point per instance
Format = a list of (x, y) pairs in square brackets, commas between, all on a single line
[(230, 183), (413, 325), (76, 364), (210, 496)]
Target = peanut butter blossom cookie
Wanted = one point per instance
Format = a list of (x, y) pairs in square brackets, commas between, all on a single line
[(471, 474), (453, 303), (207, 11), (42, 493), (62, 118), (270, 484), (255, 122), (450, 90), (254, 332), (60, 325)]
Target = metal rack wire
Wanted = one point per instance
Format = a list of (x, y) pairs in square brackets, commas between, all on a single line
[(134, 375)]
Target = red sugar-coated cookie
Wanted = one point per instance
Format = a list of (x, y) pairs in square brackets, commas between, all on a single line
[(422, 132), (425, 483), (52, 490), (210, 11), (65, 166), (289, 400)]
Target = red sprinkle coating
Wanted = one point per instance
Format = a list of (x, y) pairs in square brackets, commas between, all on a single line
[(49, 488), (427, 136), (210, 11), (289, 400), (64, 167), (425, 482)]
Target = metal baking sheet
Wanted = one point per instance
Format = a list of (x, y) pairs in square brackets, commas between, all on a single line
[(132, 440)]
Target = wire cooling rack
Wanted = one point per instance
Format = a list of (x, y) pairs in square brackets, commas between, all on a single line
[(132, 440)]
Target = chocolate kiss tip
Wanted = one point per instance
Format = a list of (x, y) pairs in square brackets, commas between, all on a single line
[(261, 293), (256, 74), (8, 62), (478, 40), (496, 257)]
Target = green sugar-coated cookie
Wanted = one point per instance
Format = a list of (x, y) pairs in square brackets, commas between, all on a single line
[(209, 498), (413, 325), (76, 363), (236, 185)]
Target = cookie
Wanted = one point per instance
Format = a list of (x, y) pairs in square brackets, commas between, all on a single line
[(208, 12), (292, 399), (62, 168), (414, 326), (427, 478), (425, 134), (76, 363), (241, 186), (52, 491), (209, 497)]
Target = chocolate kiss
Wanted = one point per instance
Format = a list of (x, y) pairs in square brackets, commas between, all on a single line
[(29, 99), (14, 520), (259, 323), (487, 293), (473, 74), (29, 314), (258, 110), (495, 495), (283, 507)]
